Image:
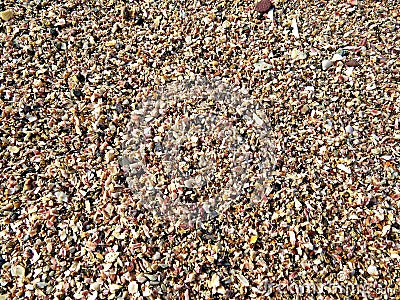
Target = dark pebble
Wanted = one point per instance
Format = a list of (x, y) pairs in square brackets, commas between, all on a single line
[(77, 93), (263, 6), (352, 63)]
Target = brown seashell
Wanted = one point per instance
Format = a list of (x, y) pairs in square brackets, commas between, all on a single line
[(263, 6), (352, 63)]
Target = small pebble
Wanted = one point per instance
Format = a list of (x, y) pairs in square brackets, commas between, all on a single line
[(326, 64), (262, 66), (18, 271), (298, 55), (77, 93), (349, 129), (373, 270), (344, 168), (304, 109), (6, 15), (263, 6), (352, 63), (226, 24)]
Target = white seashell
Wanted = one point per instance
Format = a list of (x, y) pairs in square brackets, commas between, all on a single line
[(344, 168), (226, 24), (188, 183), (295, 30), (270, 15), (151, 277), (349, 71), (372, 270), (141, 278), (298, 55), (18, 271), (61, 196), (326, 64), (93, 296), (261, 66), (133, 287), (243, 280), (309, 88), (214, 282), (147, 292), (147, 131), (386, 229), (95, 286), (111, 257), (297, 204), (114, 287), (258, 120), (292, 238), (206, 20), (337, 57), (349, 129)]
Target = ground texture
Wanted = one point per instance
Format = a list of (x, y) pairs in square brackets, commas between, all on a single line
[(327, 76)]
